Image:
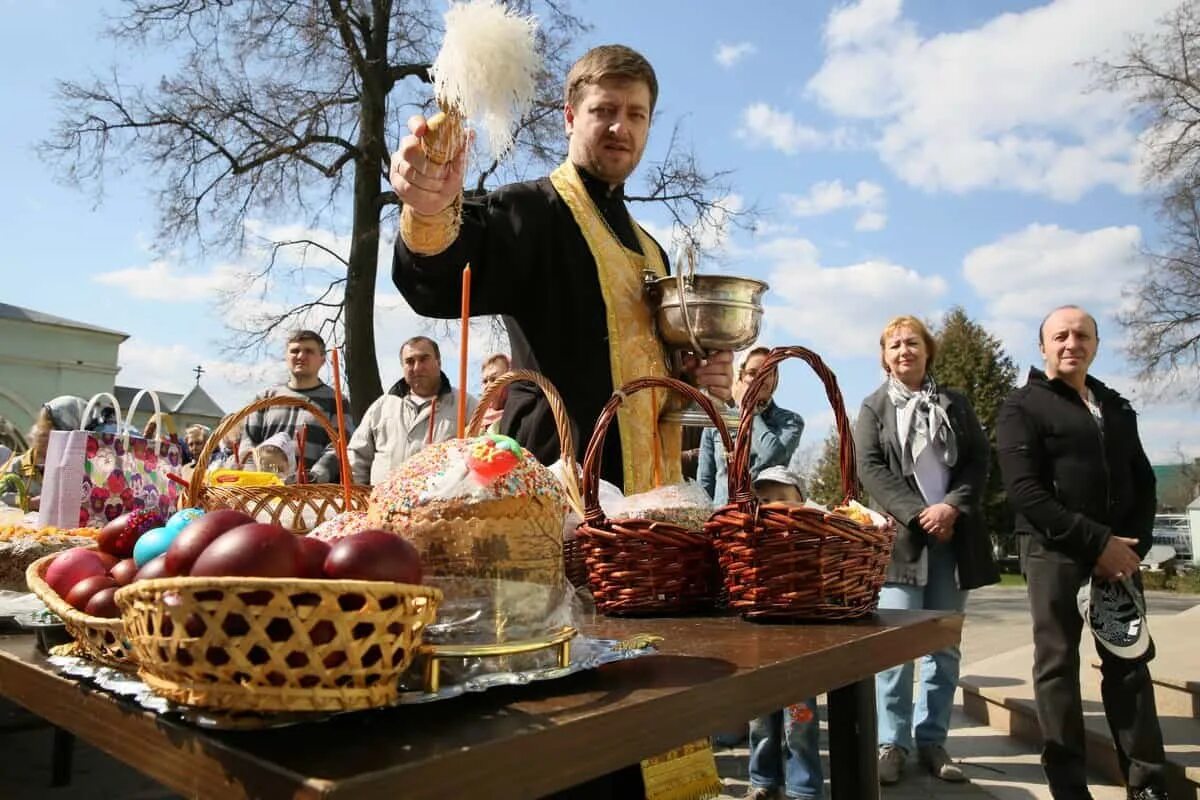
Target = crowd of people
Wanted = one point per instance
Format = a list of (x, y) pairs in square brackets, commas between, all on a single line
[(562, 261)]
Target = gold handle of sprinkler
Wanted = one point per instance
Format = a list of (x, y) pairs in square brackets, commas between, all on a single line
[(430, 234), (444, 136)]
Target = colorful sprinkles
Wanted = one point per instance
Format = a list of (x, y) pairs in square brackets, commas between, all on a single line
[(499, 466)]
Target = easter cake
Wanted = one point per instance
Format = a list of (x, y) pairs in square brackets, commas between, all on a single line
[(481, 507)]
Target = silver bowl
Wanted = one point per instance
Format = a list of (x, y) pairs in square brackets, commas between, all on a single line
[(713, 312)]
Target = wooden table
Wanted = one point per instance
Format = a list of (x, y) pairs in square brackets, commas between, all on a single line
[(713, 674)]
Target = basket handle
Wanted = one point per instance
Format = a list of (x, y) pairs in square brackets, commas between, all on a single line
[(561, 421), (739, 469), (593, 515), (196, 485), (157, 416), (91, 406)]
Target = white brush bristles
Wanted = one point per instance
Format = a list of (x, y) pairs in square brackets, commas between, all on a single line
[(487, 67)]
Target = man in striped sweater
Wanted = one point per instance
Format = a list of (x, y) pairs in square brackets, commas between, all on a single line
[(305, 357)]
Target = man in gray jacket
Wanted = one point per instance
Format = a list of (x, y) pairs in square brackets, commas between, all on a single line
[(420, 409)]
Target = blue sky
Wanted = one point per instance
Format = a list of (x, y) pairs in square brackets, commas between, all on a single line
[(906, 157)]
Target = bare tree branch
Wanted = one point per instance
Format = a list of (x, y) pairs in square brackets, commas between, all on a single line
[(1162, 312)]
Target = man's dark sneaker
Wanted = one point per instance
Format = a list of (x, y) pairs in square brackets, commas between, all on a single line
[(1146, 793), (1116, 613)]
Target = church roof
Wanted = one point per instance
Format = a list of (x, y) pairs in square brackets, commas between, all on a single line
[(20, 314)]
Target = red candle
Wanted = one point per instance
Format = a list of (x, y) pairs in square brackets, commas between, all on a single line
[(462, 351), (343, 461), (301, 442)]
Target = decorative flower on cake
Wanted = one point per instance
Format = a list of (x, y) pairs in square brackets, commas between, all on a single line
[(493, 456)]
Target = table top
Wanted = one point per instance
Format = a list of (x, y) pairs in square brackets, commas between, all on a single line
[(712, 673)]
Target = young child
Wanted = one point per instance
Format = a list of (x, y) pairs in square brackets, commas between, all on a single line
[(277, 455), (779, 485), (785, 748)]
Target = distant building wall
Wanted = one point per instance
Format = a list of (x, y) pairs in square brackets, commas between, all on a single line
[(41, 361)]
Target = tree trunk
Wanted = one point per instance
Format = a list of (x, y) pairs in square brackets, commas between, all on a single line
[(362, 364)]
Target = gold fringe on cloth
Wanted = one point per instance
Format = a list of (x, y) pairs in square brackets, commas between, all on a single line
[(634, 349)]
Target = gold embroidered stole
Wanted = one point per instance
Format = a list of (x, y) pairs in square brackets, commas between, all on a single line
[(633, 348)]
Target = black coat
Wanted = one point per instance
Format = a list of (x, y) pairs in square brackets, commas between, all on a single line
[(880, 470), (1071, 484), (531, 264)]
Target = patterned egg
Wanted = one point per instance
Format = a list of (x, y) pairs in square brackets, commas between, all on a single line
[(153, 544), (121, 534), (180, 519)]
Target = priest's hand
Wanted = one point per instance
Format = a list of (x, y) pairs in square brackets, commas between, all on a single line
[(424, 185), (715, 373)]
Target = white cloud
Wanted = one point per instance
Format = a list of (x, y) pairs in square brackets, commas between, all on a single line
[(838, 311), (164, 281), (871, 221), (1004, 105), (862, 21), (729, 54), (766, 126), (1022, 275), (825, 197)]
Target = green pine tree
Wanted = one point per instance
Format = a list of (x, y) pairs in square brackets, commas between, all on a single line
[(973, 361), (824, 481)]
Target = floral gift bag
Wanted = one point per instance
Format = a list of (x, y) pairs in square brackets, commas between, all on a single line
[(92, 477)]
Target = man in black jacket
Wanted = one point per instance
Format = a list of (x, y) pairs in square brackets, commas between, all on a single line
[(1083, 490)]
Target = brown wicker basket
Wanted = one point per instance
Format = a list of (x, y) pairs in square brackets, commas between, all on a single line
[(288, 506), (781, 561), (641, 566), (275, 644), (101, 639)]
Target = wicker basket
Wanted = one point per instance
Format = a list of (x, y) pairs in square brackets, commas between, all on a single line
[(275, 644), (298, 507), (781, 561), (101, 639), (641, 566)]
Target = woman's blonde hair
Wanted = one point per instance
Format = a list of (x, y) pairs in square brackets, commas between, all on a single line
[(917, 327)]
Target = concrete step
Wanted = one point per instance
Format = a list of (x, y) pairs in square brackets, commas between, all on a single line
[(1175, 670), (998, 692)]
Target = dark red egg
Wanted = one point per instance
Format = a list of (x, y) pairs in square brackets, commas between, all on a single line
[(313, 553), (103, 603), (82, 592), (124, 571), (199, 534), (374, 555), (254, 550), (120, 535)]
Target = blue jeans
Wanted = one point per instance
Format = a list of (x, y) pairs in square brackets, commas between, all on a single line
[(785, 750), (939, 670)]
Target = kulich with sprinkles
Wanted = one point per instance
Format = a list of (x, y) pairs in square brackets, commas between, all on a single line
[(481, 507)]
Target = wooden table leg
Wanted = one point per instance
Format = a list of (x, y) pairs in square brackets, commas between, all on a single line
[(853, 765), (60, 759)]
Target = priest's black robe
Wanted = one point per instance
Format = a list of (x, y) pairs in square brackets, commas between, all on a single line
[(531, 264)]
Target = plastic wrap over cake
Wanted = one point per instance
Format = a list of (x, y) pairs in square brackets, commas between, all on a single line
[(685, 504), (483, 510)]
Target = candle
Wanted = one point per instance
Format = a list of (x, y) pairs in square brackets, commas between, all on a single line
[(343, 461), (301, 442), (462, 351), (655, 444)]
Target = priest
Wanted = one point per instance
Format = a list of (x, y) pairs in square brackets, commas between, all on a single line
[(562, 260)]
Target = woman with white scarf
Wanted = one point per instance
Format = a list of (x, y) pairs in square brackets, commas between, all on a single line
[(923, 459)]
